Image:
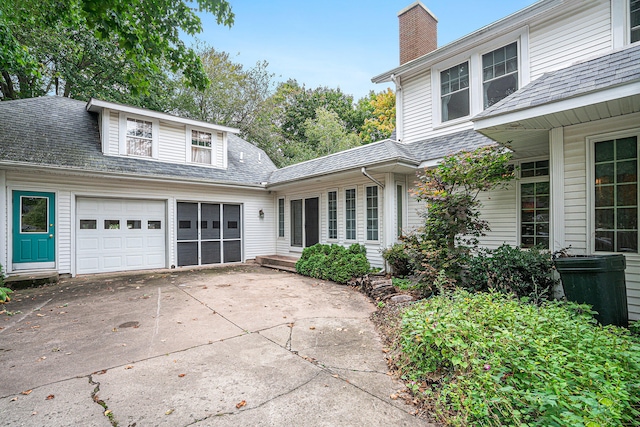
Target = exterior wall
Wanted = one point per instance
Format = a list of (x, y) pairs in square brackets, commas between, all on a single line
[(582, 30), (577, 203), (172, 144), (573, 37), (499, 208), (283, 246), (257, 232)]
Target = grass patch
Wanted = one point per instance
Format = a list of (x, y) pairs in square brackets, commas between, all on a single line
[(487, 359)]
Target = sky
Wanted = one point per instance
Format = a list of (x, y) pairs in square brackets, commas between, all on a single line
[(337, 43)]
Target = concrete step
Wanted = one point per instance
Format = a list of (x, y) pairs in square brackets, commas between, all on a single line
[(279, 262), (30, 280)]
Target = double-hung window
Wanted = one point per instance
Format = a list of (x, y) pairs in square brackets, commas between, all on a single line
[(332, 206), (350, 213), (499, 74), (534, 204), (139, 137), (616, 195), (454, 92), (372, 213), (201, 147), (280, 217), (634, 20)]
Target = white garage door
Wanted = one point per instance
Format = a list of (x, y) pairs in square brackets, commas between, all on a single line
[(119, 234)]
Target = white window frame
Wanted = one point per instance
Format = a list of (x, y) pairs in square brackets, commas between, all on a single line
[(282, 235), (344, 195), (474, 57), (531, 180), (621, 23), (333, 239), (591, 208), (155, 130), (366, 215), (214, 145)]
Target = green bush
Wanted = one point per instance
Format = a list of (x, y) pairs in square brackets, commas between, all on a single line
[(487, 359), (398, 259), (4, 292), (511, 270), (334, 262)]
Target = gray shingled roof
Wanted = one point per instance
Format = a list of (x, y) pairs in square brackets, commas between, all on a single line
[(382, 152), (616, 69), (59, 132)]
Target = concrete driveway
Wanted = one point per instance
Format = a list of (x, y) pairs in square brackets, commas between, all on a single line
[(241, 346)]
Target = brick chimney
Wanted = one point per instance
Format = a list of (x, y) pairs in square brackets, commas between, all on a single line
[(418, 31)]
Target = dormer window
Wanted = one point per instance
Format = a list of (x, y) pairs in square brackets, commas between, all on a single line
[(201, 147), (500, 74), (139, 139), (454, 84)]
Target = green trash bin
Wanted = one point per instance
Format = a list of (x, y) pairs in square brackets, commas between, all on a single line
[(597, 280)]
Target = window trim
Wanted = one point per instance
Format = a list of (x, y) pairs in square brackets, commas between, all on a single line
[(333, 239), (355, 206), (474, 56), (189, 145), (590, 185), (122, 140), (530, 180), (281, 216), (621, 24), (377, 210)]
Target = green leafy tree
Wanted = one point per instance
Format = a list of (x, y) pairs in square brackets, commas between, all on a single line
[(380, 116), (326, 134), (145, 34)]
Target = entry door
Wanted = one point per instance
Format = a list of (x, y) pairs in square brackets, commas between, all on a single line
[(34, 241), (311, 222)]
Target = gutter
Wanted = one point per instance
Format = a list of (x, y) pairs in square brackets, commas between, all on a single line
[(364, 172)]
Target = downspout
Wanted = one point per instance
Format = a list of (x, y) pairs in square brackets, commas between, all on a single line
[(364, 172)]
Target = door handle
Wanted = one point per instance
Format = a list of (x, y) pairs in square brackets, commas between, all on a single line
[(50, 236)]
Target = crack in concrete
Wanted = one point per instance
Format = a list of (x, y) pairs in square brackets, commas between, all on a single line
[(214, 311), (94, 396)]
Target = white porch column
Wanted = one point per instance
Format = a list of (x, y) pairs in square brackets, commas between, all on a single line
[(556, 175), (389, 211)]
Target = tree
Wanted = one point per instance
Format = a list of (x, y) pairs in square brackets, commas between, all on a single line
[(380, 113), (147, 34), (326, 134)]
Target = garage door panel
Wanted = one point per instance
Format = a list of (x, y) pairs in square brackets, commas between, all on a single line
[(128, 234)]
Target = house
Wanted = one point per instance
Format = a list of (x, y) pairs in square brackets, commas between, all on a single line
[(107, 187)]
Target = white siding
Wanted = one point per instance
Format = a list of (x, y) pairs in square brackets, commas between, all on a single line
[(257, 233), (172, 143), (219, 148), (499, 208), (417, 107), (320, 190), (577, 210), (573, 37), (114, 132)]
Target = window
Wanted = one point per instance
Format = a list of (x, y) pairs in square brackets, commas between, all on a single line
[(201, 147), (280, 217), (34, 213), (399, 209), (350, 213), (634, 20), (454, 92), (534, 204), (154, 225), (616, 195), (134, 224), (88, 224), (499, 74), (111, 224), (296, 223), (139, 137), (332, 206), (372, 213)]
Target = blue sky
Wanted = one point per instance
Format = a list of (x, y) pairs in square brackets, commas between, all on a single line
[(337, 43)]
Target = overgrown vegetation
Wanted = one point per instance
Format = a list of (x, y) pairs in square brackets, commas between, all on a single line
[(511, 270), (487, 359), (334, 262), (4, 292)]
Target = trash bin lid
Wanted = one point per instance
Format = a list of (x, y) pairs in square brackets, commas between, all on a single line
[(593, 263)]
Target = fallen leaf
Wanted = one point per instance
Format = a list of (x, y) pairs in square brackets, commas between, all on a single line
[(114, 330), (241, 404), (128, 367), (40, 315), (169, 412), (27, 393), (104, 371), (394, 396), (181, 375), (51, 396), (14, 399), (312, 327), (107, 412)]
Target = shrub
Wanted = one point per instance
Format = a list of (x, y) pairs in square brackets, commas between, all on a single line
[(511, 270), (4, 292), (398, 259), (491, 360), (334, 262)]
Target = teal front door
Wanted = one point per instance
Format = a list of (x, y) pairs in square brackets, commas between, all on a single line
[(34, 238)]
